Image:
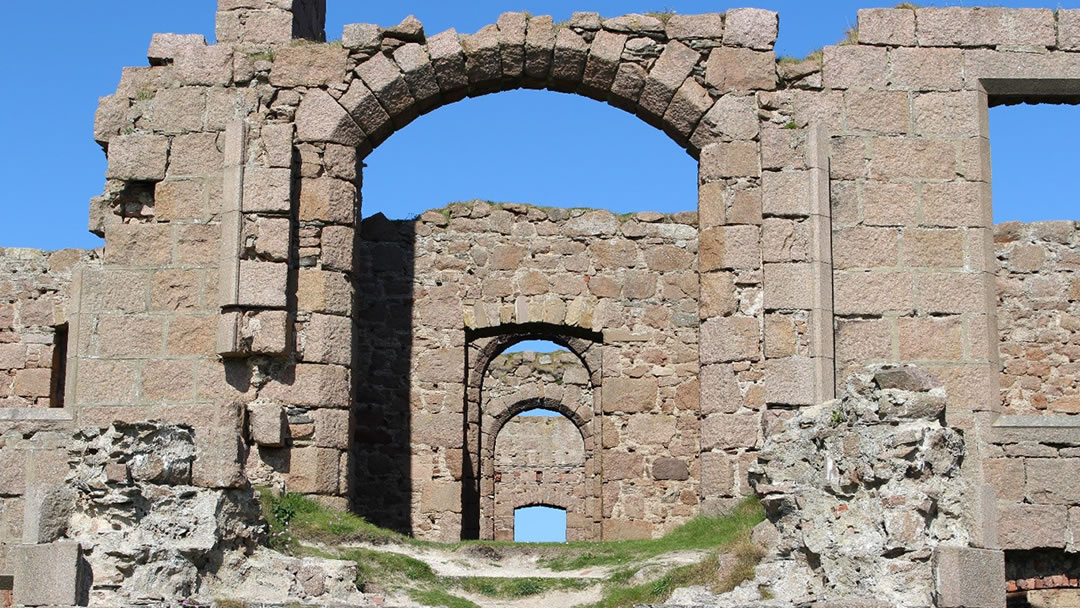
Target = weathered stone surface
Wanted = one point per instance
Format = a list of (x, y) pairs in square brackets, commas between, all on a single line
[(978, 26), (603, 60), (666, 76), (670, 468), (750, 27), (512, 28), (693, 27), (449, 61), (311, 65), (267, 423), (1024, 526), (366, 110), (539, 47), (328, 200), (734, 338), (482, 59), (629, 395), (262, 283), (49, 574), (887, 26), (321, 118), (419, 73), (361, 36), (969, 577), (313, 470), (850, 66), (138, 157), (568, 58)]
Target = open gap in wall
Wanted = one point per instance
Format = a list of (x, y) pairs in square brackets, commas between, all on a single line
[(1034, 162), (536, 147), (1035, 241), (543, 352), (540, 524)]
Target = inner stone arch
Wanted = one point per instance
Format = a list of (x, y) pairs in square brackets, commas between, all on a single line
[(503, 386), (539, 460)]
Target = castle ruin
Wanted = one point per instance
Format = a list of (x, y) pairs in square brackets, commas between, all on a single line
[(843, 220)]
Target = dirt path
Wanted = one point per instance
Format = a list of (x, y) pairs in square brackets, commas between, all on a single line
[(521, 562), (518, 564)]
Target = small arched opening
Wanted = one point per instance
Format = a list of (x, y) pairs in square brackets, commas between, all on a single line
[(539, 459)]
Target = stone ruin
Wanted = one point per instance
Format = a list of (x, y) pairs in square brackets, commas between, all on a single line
[(244, 325)]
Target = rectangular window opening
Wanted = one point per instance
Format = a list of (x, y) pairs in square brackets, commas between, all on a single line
[(539, 524), (59, 366)]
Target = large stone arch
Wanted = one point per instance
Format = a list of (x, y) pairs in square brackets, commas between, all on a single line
[(705, 80), (423, 73)]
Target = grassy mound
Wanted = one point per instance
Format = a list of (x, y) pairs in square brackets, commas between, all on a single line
[(302, 526)]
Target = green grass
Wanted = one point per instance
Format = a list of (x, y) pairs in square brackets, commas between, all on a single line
[(439, 597), (705, 572), (387, 569), (699, 533), (509, 588), (294, 517)]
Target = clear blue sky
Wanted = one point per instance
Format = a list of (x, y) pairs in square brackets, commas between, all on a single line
[(528, 146)]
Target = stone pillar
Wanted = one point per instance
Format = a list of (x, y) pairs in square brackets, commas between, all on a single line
[(730, 349), (797, 254)]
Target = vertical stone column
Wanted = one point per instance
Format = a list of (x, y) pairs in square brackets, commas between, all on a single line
[(730, 350), (796, 249)]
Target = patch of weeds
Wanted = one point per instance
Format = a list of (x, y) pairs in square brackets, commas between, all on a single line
[(837, 418), (813, 56), (664, 16), (224, 603), (790, 125), (851, 36), (302, 518), (747, 555), (145, 94), (439, 597), (261, 56), (705, 572), (907, 5), (699, 533), (388, 569), (508, 588)]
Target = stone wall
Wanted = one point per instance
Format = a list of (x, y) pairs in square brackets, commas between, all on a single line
[(486, 275), (1039, 316), (34, 295), (537, 469)]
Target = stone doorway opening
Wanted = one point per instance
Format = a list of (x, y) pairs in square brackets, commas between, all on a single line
[(540, 463), (540, 524), (531, 428)]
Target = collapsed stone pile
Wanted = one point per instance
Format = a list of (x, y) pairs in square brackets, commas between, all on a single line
[(859, 493), (148, 536)]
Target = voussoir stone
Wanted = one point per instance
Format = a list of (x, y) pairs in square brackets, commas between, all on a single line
[(751, 27), (361, 36), (321, 118)]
